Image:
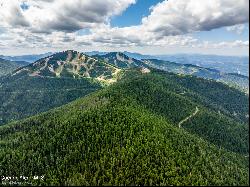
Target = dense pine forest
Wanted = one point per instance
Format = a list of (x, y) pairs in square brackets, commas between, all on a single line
[(25, 96), (7, 66), (129, 133)]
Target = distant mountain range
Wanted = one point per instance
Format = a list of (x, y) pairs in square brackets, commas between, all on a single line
[(227, 64), (232, 79), (26, 58)]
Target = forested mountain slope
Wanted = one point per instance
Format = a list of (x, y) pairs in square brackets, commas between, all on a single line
[(27, 96), (51, 82), (120, 60), (70, 64), (7, 66), (223, 112), (128, 134)]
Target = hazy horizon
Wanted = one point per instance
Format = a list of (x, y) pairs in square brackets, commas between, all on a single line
[(149, 54)]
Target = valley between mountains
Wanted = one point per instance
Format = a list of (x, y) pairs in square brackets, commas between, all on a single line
[(114, 120)]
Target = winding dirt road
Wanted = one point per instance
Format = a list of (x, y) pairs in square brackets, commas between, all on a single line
[(187, 118)]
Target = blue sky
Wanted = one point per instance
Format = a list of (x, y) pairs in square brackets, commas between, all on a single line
[(169, 26), (221, 34), (134, 14)]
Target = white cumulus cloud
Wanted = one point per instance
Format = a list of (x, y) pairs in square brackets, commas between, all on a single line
[(60, 15), (176, 17)]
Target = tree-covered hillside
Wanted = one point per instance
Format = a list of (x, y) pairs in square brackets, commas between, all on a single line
[(51, 82), (7, 66), (130, 134), (120, 60), (28, 96), (223, 112)]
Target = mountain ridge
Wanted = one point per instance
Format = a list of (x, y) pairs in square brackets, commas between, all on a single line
[(120, 60), (72, 64)]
